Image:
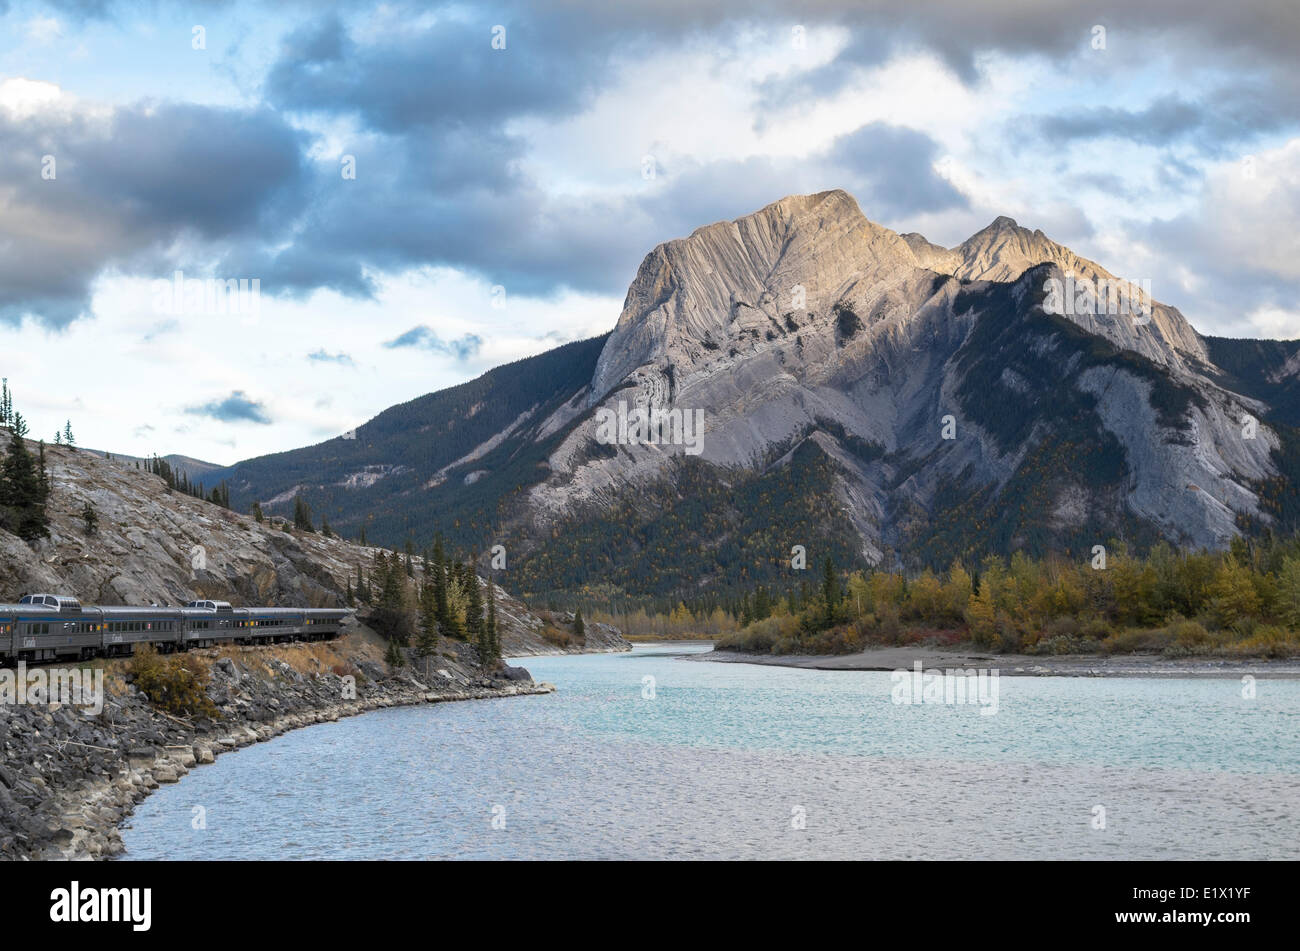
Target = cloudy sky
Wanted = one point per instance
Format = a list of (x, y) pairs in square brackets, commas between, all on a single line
[(425, 191)]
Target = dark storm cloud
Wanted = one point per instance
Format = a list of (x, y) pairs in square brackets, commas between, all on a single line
[(235, 408), (425, 338), (439, 171), (446, 72), (1198, 33), (400, 213), (126, 187)]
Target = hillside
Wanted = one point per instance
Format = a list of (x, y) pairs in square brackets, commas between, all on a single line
[(156, 545)]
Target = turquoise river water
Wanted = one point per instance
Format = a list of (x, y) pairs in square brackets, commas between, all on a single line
[(651, 755)]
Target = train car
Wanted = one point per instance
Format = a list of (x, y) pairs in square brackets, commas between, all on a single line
[(124, 627), (213, 622), (49, 627), (324, 624), (8, 620), (272, 625)]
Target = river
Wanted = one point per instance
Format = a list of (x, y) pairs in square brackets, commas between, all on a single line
[(650, 755)]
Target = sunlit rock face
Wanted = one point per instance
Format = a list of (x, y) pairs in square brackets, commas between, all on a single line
[(922, 402), (806, 312)]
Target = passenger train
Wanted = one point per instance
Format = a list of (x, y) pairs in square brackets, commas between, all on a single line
[(43, 627)]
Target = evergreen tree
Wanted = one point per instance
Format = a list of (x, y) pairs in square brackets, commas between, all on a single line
[(257, 512), (473, 601), (579, 626), (44, 474), (390, 616), (22, 493), (302, 515), (439, 583), (830, 589), (67, 435), (394, 656), (426, 640), (91, 518)]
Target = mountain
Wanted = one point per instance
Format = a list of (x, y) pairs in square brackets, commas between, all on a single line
[(865, 394)]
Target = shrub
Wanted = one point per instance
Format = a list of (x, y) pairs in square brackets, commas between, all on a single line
[(1134, 639), (553, 635), (176, 685), (1270, 641)]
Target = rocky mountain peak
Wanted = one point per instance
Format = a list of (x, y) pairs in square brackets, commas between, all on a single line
[(797, 256)]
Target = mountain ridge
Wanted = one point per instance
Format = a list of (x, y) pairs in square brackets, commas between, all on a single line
[(805, 324)]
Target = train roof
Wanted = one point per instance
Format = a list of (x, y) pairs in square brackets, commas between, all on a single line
[(121, 610), (72, 604), (55, 602), (208, 604)]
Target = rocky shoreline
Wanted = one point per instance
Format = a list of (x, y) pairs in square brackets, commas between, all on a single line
[(68, 781)]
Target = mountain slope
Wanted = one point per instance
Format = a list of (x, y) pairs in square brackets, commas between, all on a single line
[(415, 461), (153, 545), (864, 393)]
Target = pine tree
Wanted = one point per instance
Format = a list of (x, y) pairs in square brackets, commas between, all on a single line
[(439, 583), (257, 512), (67, 435), (22, 492), (830, 589), (43, 473), (302, 515), (394, 655), (390, 616), (473, 601), (91, 518), (579, 626)]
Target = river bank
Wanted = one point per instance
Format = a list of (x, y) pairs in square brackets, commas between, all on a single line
[(1019, 665), (68, 780)]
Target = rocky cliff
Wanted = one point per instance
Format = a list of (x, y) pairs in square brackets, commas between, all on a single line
[(806, 313)]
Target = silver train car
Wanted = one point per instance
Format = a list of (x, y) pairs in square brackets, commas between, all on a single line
[(46, 627)]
